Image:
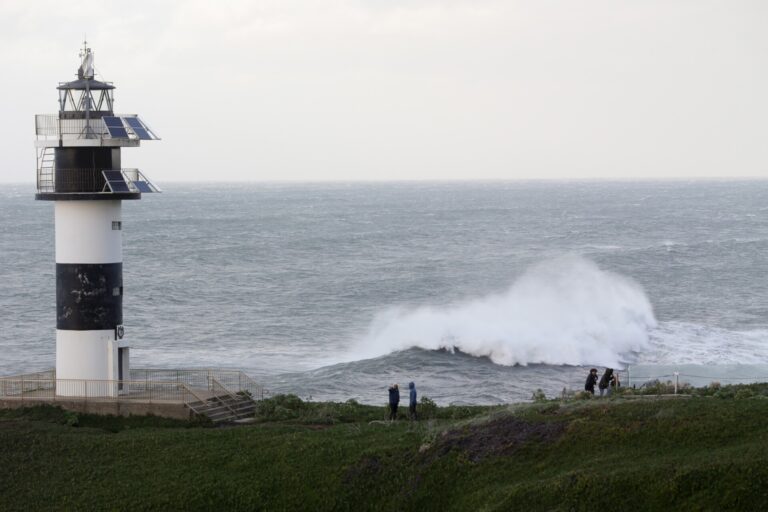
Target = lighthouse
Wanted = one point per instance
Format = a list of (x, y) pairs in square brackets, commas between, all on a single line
[(80, 169)]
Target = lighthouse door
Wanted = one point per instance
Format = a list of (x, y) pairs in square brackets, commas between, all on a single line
[(122, 367)]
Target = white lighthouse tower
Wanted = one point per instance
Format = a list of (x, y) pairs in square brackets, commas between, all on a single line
[(79, 168)]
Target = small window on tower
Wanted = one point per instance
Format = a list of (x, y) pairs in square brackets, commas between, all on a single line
[(117, 225), (117, 291)]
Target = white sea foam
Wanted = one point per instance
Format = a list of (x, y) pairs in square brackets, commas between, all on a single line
[(561, 311), (690, 343)]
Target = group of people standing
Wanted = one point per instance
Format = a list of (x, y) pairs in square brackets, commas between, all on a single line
[(394, 401), (609, 382)]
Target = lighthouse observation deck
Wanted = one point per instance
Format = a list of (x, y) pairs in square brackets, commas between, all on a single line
[(119, 130), (68, 148), (79, 148)]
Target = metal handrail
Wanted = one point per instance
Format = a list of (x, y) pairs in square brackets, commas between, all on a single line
[(252, 384), (214, 385), (192, 392), (188, 403), (232, 380)]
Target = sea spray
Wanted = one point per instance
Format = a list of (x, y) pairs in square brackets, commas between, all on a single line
[(561, 311), (676, 342)]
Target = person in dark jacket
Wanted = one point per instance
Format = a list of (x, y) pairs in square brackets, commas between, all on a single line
[(394, 401), (591, 381), (605, 382), (412, 401)]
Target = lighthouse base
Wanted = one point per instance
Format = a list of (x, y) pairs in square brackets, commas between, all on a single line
[(92, 359), (221, 395)]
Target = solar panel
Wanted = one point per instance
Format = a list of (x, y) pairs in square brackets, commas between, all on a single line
[(143, 186), (138, 128), (115, 127), (116, 181), (119, 186), (142, 134), (117, 133), (133, 122)]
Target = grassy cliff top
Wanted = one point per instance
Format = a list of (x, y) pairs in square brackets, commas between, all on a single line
[(702, 451)]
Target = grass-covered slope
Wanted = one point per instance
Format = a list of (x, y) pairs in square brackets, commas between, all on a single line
[(691, 453)]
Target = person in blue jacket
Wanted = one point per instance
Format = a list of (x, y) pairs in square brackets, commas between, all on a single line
[(412, 401), (394, 401)]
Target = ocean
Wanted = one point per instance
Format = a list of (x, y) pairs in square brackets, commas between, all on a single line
[(480, 292)]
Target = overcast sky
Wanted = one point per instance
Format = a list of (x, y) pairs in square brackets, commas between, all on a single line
[(377, 90)]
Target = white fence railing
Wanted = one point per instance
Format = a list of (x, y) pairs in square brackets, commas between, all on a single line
[(233, 380), (145, 384), (31, 388)]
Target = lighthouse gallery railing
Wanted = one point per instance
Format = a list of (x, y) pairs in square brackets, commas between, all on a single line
[(81, 180), (50, 126)]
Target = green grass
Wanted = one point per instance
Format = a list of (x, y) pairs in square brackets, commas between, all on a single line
[(695, 453)]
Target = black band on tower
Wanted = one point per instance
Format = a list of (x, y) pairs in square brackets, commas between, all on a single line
[(89, 296)]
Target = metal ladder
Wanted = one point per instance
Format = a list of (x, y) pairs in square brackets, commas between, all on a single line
[(46, 166)]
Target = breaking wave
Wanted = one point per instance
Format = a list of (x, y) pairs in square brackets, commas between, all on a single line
[(565, 311)]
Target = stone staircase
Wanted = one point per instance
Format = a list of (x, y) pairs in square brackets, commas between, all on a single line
[(225, 407)]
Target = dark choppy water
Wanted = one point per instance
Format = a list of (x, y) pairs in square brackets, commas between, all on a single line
[(334, 291)]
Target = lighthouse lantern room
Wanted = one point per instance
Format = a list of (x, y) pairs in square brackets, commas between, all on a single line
[(79, 168)]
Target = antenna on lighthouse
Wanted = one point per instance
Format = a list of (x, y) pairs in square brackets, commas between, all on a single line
[(86, 66)]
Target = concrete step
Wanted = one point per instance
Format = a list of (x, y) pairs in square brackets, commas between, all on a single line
[(225, 408)]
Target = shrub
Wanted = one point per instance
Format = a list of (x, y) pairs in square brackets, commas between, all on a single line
[(71, 419), (725, 392), (292, 408), (656, 387), (291, 402), (744, 393), (539, 396), (278, 408), (427, 408)]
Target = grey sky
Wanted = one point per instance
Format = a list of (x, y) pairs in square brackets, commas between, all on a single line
[(376, 90)]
